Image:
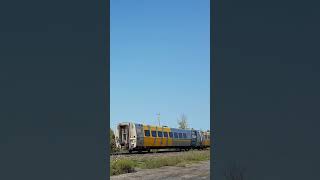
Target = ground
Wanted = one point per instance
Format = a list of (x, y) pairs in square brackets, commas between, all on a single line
[(160, 153), (200, 170)]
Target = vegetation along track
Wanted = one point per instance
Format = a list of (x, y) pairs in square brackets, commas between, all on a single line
[(120, 164), (133, 153), (152, 154), (126, 153)]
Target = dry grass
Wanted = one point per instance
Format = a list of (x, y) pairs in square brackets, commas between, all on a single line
[(123, 165)]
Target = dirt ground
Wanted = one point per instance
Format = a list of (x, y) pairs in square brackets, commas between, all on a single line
[(195, 171)]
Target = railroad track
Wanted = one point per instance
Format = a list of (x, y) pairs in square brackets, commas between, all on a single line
[(126, 153), (120, 153), (135, 153)]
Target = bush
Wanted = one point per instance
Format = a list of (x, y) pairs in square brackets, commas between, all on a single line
[(121, 166), (113, 147)]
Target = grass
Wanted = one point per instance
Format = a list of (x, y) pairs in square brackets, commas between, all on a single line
[(121, 166), (128, 164)]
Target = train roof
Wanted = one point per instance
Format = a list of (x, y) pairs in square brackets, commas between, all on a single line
[(155, 126)]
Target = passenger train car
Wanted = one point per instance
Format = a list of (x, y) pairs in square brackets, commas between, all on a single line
[(138, 137)]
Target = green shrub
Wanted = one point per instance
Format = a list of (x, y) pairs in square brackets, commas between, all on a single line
[(121, 166)]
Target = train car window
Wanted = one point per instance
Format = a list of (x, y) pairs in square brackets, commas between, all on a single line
[(185, 135), (175, 135), (180, 135), (154, 133), (147, 133), (165, 134), (159, 134), (170, 134)]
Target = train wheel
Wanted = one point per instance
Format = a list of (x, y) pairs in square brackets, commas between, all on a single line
[(130, 151)]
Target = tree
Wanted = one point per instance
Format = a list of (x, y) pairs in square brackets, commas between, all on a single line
[(112, 141), (111, 135), (183, 122)]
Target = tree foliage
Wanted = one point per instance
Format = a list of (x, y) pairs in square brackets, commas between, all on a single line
[(112, 141), (112, 136), (183, 122)]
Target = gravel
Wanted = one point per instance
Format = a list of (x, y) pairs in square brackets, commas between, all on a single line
[(194, 171)]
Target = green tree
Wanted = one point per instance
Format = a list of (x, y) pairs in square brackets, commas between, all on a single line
[(112, 141), (183, 122)]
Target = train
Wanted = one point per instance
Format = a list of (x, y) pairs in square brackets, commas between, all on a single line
[(132, 136)]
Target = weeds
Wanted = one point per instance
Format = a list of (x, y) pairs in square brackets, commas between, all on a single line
[(121, 166), (127, 164)]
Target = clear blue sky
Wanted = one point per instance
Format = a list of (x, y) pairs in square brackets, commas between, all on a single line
[(160, 61)]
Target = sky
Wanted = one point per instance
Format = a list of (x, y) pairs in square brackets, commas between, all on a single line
[(160, 62)]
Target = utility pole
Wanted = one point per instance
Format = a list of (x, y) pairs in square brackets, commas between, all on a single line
[(158, 118)]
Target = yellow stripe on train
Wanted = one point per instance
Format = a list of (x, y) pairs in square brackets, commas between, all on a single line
[(150, 141)]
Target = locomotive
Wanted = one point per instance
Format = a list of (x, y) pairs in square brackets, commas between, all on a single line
[(139, 137)]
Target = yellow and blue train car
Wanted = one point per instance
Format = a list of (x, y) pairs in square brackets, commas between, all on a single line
[(206, 139), (139, 137)]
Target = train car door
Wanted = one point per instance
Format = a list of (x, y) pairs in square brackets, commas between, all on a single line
[(140, 135), (167, 134), (193, 138), (161, 140)]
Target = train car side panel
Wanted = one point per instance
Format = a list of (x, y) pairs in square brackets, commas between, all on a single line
[(181, 138), (140, 135), (154, 136)]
